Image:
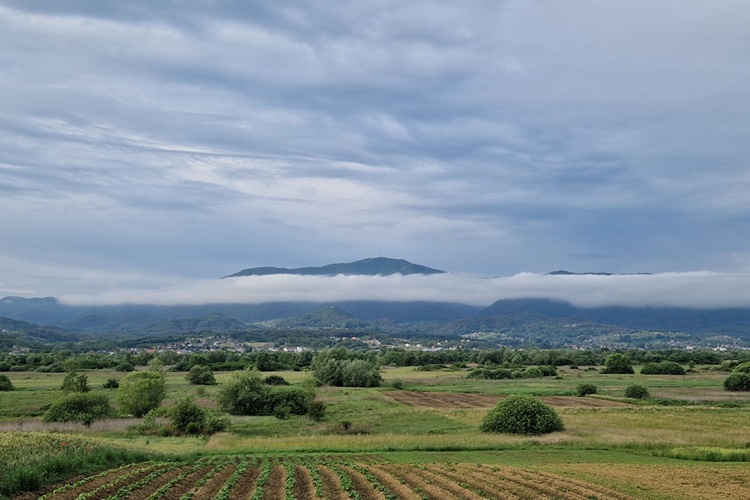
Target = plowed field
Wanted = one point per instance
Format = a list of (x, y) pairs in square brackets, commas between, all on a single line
[(457, 400), (322, 477)]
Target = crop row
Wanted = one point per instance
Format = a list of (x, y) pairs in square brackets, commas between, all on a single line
[(311, 478)]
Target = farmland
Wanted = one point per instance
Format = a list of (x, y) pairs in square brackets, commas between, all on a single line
[(420, 441)]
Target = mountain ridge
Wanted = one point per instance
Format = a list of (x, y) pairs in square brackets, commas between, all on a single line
[(376, 266)]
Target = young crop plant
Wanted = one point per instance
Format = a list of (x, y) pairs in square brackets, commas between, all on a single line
[(389, 495), (346, 482), (291, 480), (317, 480), (265, 473), (226, 490)]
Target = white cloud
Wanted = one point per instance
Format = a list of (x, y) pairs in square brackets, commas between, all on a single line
[(697, 289)]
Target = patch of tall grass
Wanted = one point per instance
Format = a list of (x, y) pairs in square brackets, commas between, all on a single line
[(30, 461)]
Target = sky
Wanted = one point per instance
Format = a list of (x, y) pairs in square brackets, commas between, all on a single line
[(149, 148)]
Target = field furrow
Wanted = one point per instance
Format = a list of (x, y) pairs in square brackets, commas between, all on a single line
[(398, 488), (421, 487), (590, 489), (304, 489), (362, 485), (502, 477), (274, 488), (445, 484), (482, 488), (245, 487), (211, 487), (156, 483), (187, 484), (331, 484)]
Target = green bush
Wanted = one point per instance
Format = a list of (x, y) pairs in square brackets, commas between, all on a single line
[(201, 375), (187, 417), (111, 383), (636, 391), (275, 380), (737, 381), (586, 389), (141, 392), (663, 368), (79, 407), (244, 394), (317, 411), (618, 363), (519, 414), (75, 382), (6, 384), (742, 368), (296, 399)]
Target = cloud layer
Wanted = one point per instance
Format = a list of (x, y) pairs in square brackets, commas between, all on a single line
[(698, 289), (155, 142)]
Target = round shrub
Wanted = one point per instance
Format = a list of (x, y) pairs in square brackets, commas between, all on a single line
[(201, 375), (187, 417), (586, 389), (663, 368), (742, 368), (522, 415), (737, 381), (618, 363), (79, 407), (636, 391), (6, 384), (111, 383)]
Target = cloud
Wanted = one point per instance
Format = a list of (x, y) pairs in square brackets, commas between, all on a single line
[(697, 289)]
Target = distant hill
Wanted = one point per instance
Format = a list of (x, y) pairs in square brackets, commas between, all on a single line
[(209, 323), (378, 266), (23, 333), (333, 317)]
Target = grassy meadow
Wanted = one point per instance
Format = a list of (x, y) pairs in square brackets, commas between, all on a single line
[(689, 423)]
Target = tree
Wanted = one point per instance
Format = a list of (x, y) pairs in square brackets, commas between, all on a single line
[(201, 375), (360, 373), (79, 407), (737, 381), (141, 392), (6, 384), (75, 382), (187, 417), (519, 414), (618, 363), (636, 391)]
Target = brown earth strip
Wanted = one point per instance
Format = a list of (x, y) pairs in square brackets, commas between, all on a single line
[(213, 485), (447, 485), (245, 487), (417, 484), (535, 488), (589, 490), (331, 484), (274, 487), (397, 487), (690, 482), (109, 490), (113, 474), (362, 485), (501, 492), (156, 483), (303, 483), (187, 484)]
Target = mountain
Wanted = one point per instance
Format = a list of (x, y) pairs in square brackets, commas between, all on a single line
[(209, 323), (378, 266), (23, 333)]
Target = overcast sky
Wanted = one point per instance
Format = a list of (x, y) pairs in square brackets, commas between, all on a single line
[(156, 145)]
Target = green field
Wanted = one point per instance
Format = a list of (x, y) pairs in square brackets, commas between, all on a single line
[(690, 427)]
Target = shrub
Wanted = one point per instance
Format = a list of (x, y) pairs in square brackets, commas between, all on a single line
[(397, 384), (742, 368), (636, 391), (317, 411), (201, 375), (6, 384), (111, 383), (296, 399), (737, 381), (141, 392), (360, 373), (187, 417), (75, 382), (522, 415), (275, 380), (124, 367), (244, 394), (79, 407), (586, 389), (618, 363), (663, 368)]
